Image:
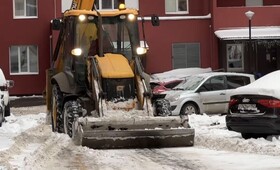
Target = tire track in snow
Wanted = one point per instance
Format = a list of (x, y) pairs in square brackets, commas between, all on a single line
[(169, 159)]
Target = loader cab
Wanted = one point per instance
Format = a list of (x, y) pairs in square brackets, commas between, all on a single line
[(116, 34)]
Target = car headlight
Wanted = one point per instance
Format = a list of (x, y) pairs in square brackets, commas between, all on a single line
[(173, 98)]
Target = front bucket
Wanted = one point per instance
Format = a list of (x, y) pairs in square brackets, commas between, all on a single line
[(138, 138), (148, 132)]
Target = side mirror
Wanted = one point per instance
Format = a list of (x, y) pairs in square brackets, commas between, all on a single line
[(56, 24), (10, 83), (155, 20), (201, 89)]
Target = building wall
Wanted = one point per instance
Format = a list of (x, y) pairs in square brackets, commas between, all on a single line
[(148, 7), (225, 17), (230, 15), (27, 32), (172, 30), (224, 14)]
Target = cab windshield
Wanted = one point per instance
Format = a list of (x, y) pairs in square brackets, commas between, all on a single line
[(120, 35)]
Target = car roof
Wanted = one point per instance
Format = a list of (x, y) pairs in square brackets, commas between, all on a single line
[(2, 78), (210, 74), (266, 85)]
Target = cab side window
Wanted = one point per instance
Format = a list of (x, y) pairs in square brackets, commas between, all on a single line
[(237, 81)]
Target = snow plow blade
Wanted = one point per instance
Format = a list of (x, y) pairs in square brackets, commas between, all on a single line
[(149, 132)]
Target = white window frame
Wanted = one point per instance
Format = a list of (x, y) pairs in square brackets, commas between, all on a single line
[(28, 72), (177, 11), (230, 53), (24, 16), (254, 2)]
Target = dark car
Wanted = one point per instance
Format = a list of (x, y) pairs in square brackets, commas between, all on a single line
[(254, 110)]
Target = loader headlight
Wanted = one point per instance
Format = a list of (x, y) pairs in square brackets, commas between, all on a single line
[(76, 52), (141, 50), (122, 6), (131, 17), (82, 17)]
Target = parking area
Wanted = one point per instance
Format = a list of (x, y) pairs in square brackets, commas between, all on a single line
[(26, 101)]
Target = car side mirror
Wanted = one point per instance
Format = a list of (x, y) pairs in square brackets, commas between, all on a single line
[(10, 83), (201, 89)]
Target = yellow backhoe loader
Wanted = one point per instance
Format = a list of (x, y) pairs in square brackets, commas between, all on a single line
[(97, 91)]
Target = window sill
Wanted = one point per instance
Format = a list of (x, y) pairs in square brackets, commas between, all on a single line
[(35, 17), (177, 13)]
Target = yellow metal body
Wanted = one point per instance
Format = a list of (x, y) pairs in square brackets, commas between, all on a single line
[(82, 4), (102, 13), (114, 66)]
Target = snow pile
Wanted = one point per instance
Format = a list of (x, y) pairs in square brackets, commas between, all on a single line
[(30, 144), (211, 132)]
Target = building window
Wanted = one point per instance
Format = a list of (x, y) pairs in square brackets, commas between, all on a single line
[(108, 4), (25, 8), (254, 2), (176, 6), (185, 55), (235, 59), (24, 59)]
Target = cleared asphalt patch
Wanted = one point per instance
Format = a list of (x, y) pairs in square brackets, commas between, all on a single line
[(27, 101)]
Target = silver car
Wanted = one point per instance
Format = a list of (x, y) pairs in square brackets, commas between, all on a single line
[(206, 93)]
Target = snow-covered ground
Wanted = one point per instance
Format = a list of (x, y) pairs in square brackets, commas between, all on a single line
[(26, 142)]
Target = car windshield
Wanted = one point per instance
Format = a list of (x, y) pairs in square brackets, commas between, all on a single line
[(189, 84)]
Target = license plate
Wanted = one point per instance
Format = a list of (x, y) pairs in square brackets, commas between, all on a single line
[(249, 107)]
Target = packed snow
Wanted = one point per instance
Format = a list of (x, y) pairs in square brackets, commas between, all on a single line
[(26, 142)]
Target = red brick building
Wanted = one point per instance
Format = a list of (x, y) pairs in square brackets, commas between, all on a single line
[(25, 48), (191, 33)]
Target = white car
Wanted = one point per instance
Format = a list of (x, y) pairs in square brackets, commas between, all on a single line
[(206, 93), (4, 96)]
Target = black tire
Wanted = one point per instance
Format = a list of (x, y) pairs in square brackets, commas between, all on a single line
[(2, 118), (7, 110), (253, 135), (57, 117), (188, 109), (71, 109)]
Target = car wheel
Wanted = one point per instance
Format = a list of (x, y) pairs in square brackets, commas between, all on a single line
[(7, 110), (1, 117), (188, 109), (253, 135)]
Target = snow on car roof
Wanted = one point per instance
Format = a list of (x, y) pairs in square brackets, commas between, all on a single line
[(2, 78), (178, 74), (223, 73), (266, 85)]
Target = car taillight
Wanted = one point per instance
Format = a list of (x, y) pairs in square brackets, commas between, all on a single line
[(232, 102), (273, 103)]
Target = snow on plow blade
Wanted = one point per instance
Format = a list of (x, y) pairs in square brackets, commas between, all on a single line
[(149, 132)]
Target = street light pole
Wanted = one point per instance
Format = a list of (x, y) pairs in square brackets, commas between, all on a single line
[(249, 15)]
